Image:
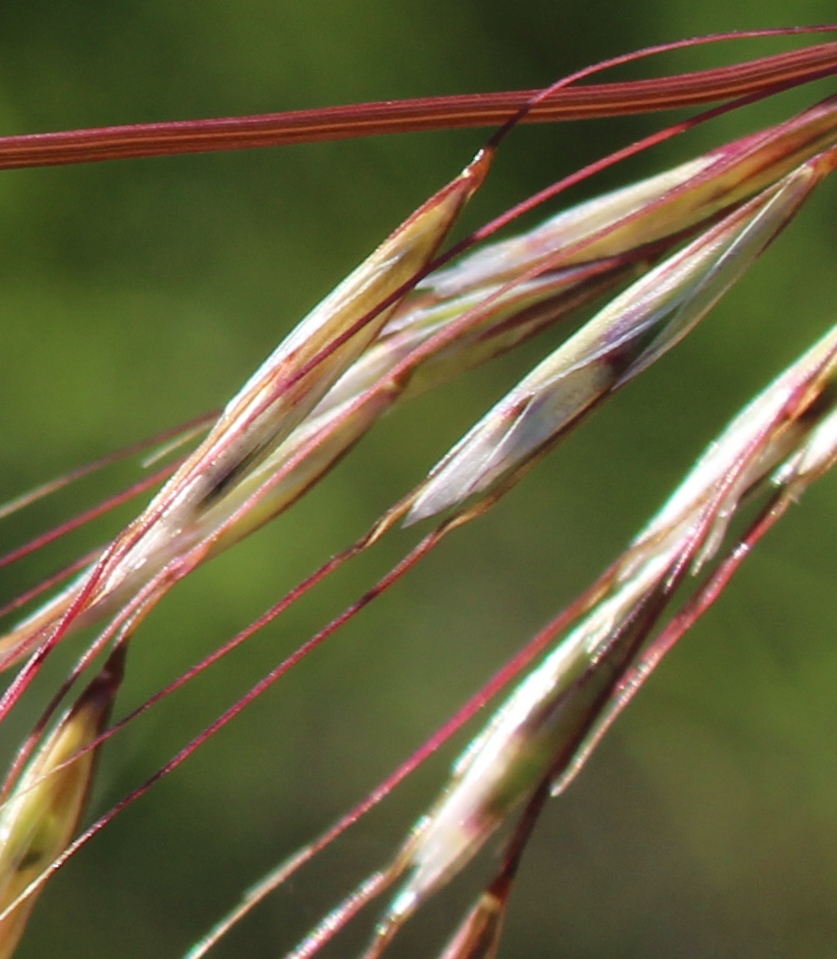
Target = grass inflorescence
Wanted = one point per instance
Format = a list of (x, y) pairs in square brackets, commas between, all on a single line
[(620, 280)]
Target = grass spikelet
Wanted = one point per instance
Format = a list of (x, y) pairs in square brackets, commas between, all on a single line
[(786, 436), (42, 810), (478, 935), (276, 398), (629, 334)]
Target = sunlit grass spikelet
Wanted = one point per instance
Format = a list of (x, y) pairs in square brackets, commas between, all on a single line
[(787, 437), (274, 400), (629, 334)]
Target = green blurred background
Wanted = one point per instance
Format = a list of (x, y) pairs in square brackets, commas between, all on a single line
[(139, 294)]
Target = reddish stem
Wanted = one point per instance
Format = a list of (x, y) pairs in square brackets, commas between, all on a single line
[(424, 113)]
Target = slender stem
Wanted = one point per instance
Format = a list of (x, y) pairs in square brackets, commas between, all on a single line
[(424, 113)]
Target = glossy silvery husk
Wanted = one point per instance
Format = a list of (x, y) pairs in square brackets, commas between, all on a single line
[(629, 334)]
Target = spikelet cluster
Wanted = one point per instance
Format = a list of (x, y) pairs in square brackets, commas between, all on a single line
[(664, 251)]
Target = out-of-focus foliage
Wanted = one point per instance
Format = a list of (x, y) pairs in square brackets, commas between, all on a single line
[(139, 294)]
